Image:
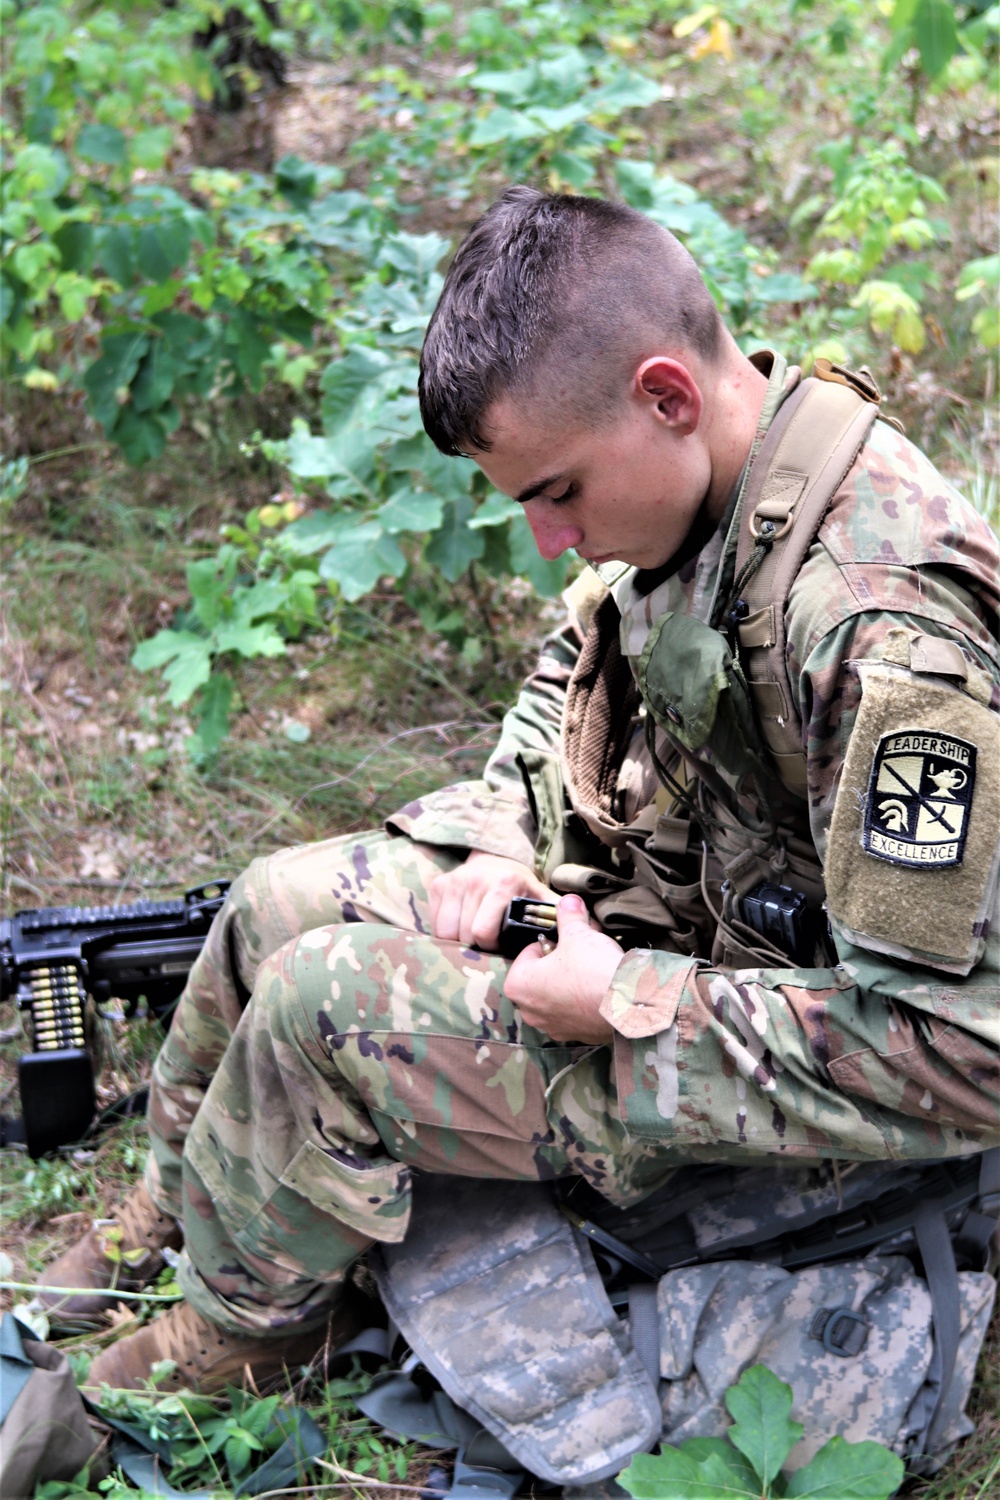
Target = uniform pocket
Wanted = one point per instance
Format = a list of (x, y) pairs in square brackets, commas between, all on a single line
[(371, 1197)]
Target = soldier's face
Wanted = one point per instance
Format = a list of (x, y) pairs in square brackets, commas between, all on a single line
[(629, 491)]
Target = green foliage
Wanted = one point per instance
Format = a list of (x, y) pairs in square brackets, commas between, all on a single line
[(879, 208), (246, 602), (246, 1445), (747, 1461), (154, 290), (193, 293)]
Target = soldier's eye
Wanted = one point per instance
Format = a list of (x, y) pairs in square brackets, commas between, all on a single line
[(567, 494)]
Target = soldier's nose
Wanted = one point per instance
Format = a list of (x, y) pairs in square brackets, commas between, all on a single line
[(553, 536)]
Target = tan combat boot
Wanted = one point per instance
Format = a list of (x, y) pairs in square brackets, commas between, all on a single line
[(123, 1253), (208, 1358)]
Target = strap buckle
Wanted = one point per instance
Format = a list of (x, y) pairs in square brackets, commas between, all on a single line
[(840, 1330)]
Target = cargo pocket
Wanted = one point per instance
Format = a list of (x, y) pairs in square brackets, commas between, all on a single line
[(371, 1197)]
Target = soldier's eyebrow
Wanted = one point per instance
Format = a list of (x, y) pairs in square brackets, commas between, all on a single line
[(536, 489)]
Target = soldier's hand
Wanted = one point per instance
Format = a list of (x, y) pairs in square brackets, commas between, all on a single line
[(560, 991), (468, 903)]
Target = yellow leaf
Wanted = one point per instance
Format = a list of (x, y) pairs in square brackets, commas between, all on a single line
[(719, 39), (689, 24), (41, 380), (908, 331)]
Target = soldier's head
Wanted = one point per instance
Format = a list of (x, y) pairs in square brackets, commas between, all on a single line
[(577, 356)]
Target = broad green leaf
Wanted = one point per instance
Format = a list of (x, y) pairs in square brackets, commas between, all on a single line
[(207, 589), (322, 528), (74, 293), (112, 372), (141, 438), (902, 14), (667, 1475), (30, 261), (977, 275), (42, 169), (628, 91), (75, 242), (265, 597), (936, 35), (360, 559), (163, 647), (161, 248), (248, 640), (496, 510), (760, 1405), (784, 286), (572, 169), (504, 125), (151, 147), (519, 83), (296, 179), (848, 1471), (101, 143), (986, 327), (189, 668), (411, 510), (454, 545), (8, 299), (345, 379), (115, 251), (213, 705), (557, 119), (251, 347), (154, 381), (415, 255), (347, 457), (569, 71)]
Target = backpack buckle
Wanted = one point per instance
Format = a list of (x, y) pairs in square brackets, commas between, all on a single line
[(840, 1330)]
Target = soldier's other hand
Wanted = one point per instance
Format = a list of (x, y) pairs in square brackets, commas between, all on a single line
[(468, 903), (559, 991)]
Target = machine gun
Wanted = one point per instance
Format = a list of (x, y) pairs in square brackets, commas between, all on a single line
[(52, 959)]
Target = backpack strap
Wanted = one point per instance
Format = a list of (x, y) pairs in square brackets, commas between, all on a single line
[(807, 452)]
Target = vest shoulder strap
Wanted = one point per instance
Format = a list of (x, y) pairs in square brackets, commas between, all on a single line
[(807, 452)]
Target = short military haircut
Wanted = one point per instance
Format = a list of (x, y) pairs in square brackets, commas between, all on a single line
[(554, 301)]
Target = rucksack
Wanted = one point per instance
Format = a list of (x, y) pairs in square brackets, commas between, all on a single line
[(554, 1335)]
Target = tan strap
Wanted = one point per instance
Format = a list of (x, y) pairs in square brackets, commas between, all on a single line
[(806, 454)]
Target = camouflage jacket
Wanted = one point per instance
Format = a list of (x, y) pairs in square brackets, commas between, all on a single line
[(895, 665)]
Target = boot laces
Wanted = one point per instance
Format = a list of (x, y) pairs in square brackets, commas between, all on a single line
[(142, 1224), (183, 1335)]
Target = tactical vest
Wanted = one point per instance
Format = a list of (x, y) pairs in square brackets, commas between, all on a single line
[(719, 824)]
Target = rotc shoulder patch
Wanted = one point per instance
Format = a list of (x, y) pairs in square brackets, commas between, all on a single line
[(919, 797)]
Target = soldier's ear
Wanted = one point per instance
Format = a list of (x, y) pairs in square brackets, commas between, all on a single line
[(671, 392)]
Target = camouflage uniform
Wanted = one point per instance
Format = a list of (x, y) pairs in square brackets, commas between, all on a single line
[(367, 1049)]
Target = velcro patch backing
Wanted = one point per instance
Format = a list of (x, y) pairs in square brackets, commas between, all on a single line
[(912, 855)]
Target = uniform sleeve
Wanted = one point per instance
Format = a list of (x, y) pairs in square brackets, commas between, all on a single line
[(495, 815), (896, 1051)]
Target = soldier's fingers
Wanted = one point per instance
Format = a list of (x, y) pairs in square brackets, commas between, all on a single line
[(446, 922), (487, 920)]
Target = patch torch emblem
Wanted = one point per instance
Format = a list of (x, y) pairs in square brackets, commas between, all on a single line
[(919, 798)]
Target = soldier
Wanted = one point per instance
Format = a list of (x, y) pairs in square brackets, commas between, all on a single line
[(708, 774)]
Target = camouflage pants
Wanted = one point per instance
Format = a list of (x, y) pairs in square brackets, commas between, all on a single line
[(366, 1047)]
